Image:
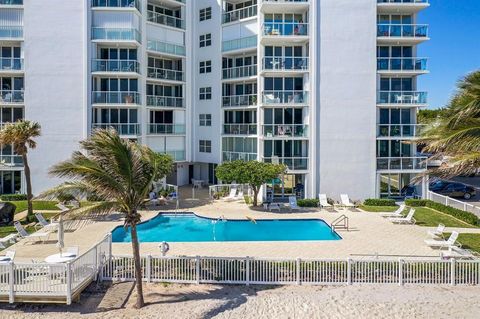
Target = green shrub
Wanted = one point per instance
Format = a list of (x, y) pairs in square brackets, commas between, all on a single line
[(13, 197), (248, 200), (379, 202), (312, 202), (416, 202), (462, 215)]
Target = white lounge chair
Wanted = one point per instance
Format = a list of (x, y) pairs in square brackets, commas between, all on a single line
[(345, 201), (7, 240), (37, 236), (397, 213), (323, 202), (292, 202), (460, 253), (405, 220), (232, 195), (9, 256), (437, 232), (450, 242), (43, 222)]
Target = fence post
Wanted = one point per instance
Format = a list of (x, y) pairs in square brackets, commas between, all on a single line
[(197, 270), (349, 271), (149, 268), (95, 262), (69, 283), (400, 272), (247, 270), (11, 279), (452, 271), (297, 266)]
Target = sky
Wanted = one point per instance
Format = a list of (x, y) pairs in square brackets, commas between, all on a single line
[(453, 49)]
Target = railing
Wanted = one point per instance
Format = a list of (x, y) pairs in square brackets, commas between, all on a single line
[(294, 163), (402, 1), (177, 155), (237, 44), (99, 65), (165, 101), (116, 4), (455, 203), (340, 223), (11, 32), (228, 156), (239, 72), (7, 64), (285, 130), (165, 47), (285, 97), (285, 29), (285, 63), (131, 129), (166, 128), (239, 14), (11, 160), (225, 189), (401, 64), (11, 2), (116, 34), (401, 163), (399, 130), (164, 19), (239, 100), (402, 30), (11, 96), (165, 74), (401, 97), (240, 129), (120, 97)]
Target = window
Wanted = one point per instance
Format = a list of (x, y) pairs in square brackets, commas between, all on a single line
[(205, 14), (205, 66), (206, 93), (205, 119), (205, 40), (205, 146)]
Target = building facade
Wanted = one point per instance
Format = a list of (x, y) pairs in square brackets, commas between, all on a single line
[(315, 85)]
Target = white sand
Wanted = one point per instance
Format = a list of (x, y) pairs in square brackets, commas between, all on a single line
[(215, 301)]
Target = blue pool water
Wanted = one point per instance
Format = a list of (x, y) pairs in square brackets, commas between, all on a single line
[(192, 228)]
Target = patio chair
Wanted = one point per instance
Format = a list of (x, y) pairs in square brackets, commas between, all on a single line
[(232, 195), (9, 256), (37, 236), (323, 202), (44, 223), (7, 239), (397, 213), (292, 201), (405, 220), (459, 253), (345, 202), (437, 232), (450, 242)]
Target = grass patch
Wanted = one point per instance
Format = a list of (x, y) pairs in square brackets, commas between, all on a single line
[(37, 205), (431, 218), (379, 209), (468, 241)]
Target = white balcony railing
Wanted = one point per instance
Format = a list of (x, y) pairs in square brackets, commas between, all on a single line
[(293, 163), (228, 156), (399, 130), (239, 100), (285, 97), (165, 101), (120, 97), (239, 14), (285, 29), (100, 65), (165, 74), (239, 72), (125, 129), (240, 129), (401, 163), (166, 129), (285, 63), (285, 130)]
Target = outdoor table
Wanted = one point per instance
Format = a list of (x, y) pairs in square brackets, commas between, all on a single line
[(60, 258), (198, 183)]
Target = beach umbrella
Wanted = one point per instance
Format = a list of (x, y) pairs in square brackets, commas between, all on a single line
[(60, 230)]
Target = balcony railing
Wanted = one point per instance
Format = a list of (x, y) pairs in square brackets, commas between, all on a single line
[(11, 2), (401, 163), (402, 1), (401, 97), (239, 100), (285, 97), (116, 4), (110, 97), (399, 130), (285, 130), (238, 44), (293, 163), (165, 74), (165, 101), (165, 47), (402, 30), (239, 72), (7, 64), (285, 29), (11, 160), (240, 129), (177, 155), (122, 128), (402, 64), (239, 14), (99, 65), (11, 32), (11, 96), (285, 63), (164, 19), (116, 34), (228, 156), (166, 128)]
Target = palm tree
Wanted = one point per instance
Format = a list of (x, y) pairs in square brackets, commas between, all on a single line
[(455, 135), (21, 135), (118, 171)]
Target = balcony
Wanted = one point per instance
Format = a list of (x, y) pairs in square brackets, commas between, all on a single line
[(166, 129), (164, 101), (406, 66), (285, 97), (228, 156), (285, 130), (239, 100), (11, 64), (165, 74), (287, 6), (404, 6), (285, 64), (239, 72), (402, 33), (123, 129), (399, 131), (293, 163), (177, 155), (116, 34), (11, 2), (402, 98), (167, 20), (401, 163), (285, 29), (164, 47), (114, 66), (240, 44), (11, 161), (117, 97), (239, 14), (116, 4), (11, 32), (240, 129), (11, 97)]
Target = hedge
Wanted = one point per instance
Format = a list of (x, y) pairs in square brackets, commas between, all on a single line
[(379, 202), (313, 202), (467, 217), (13, 197)]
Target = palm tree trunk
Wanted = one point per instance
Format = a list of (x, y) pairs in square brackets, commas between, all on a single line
[(29, 186), (138, 268)]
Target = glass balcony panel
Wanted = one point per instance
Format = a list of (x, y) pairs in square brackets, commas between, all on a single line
[(285, 130), (402, 1), (402, 30), (164, 19), (116, 4), (285, 63), (11, 160), (177, 155), (237, 44), (240, 129), (285, 97), (11, 96), (239, 72), (293, 163), (11, 64), (402, 163), (154, 128), (110, 97), (116, 34), (165, 47), (165, 101), (402, 97), (402, 64), (165, 74), (11, 32), (285, 29), (99, 65), (11, 2), (240, 14), (239, 100), (121, 128)]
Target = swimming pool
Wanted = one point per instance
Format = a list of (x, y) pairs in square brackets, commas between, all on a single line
[(192, 228)]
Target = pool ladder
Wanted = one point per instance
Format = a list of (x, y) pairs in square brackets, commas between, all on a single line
[(340, 223)]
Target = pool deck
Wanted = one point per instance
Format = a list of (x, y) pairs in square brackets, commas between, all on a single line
[(369, 234)]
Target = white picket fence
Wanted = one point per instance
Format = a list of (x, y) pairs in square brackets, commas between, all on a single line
[(34, 281), (230, 270), (455, 203)]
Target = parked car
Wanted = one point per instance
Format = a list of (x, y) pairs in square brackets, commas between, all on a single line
[(456, 190), (438, 184)]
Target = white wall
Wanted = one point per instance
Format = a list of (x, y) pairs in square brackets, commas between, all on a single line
[(55, 81)]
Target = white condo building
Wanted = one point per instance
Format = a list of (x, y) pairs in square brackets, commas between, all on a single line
[(314, 84)]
